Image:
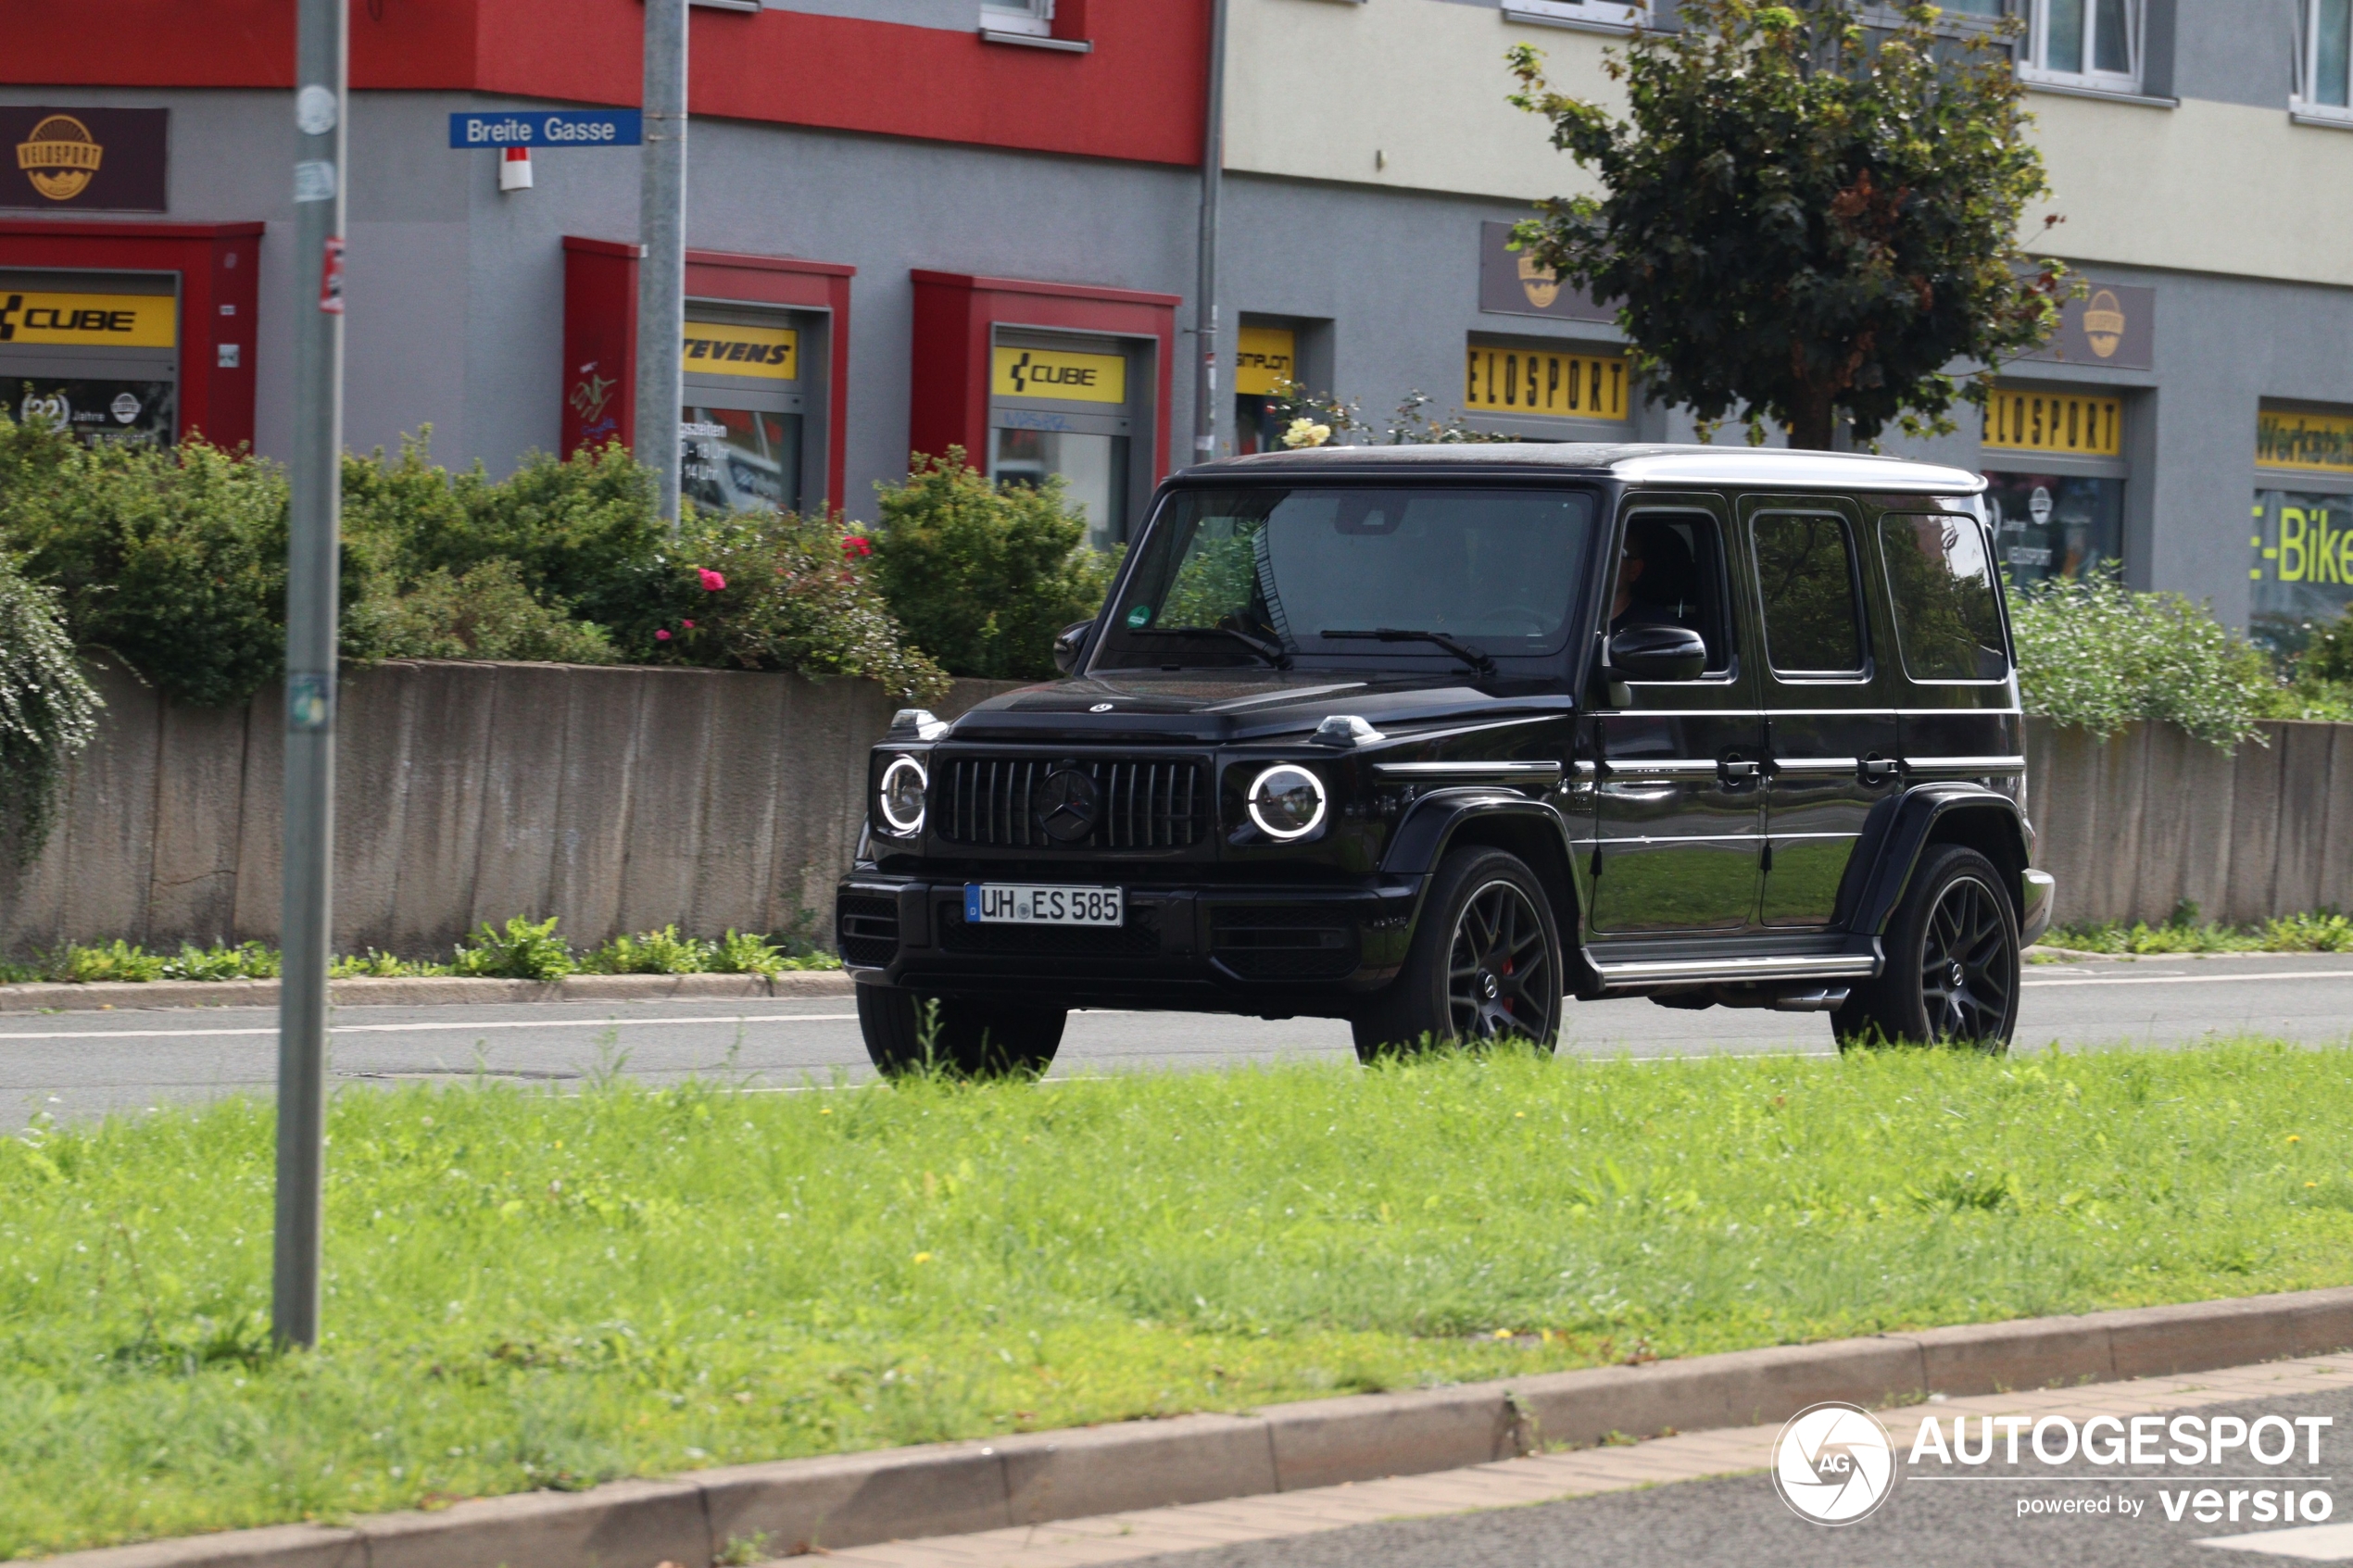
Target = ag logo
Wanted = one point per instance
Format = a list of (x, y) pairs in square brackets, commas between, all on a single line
[(1833, 1463), (59, 156), (1066, 806)]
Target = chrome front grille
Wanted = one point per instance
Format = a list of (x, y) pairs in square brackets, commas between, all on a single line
[(1141, 803)]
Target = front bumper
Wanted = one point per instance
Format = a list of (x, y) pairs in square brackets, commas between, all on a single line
[(2038, 902), (1270, 950)]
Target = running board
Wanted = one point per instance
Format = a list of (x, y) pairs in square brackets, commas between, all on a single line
[(1736, 971)]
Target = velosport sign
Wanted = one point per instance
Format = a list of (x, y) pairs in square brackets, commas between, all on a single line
[(549, 128)]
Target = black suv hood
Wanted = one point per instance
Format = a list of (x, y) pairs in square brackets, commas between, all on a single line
[(1194, 708)]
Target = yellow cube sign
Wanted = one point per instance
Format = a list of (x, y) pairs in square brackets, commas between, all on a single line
[(1050, 372), (717, 348), (89, 321)]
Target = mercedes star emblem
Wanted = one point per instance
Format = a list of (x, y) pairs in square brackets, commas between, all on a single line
[(1101, 708), (1066, 805)]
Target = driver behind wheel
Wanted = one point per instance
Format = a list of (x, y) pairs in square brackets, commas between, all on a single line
[(1657, 579)]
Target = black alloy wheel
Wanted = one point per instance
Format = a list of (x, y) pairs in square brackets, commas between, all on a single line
[(1500, 980), (1966, 984), (1484, 963), (957, 1036), (1952, 974)]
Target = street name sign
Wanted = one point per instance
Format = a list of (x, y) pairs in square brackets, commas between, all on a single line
[(547, 128)]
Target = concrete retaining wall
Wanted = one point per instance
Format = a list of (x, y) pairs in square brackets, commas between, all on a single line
[(2134, 825), (621, 799)]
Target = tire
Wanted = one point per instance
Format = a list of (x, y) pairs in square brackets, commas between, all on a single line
[(1484, 964), (1952, 974), (970, 1036)]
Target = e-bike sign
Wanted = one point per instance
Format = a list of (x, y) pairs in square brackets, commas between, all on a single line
[(549, 128)]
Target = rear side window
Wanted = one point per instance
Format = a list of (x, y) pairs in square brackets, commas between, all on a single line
[(1941, 579), (1813, 618)]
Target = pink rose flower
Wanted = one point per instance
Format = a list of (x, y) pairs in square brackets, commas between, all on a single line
[(687, 624), (711, 581), (662, 635), (855, 545)]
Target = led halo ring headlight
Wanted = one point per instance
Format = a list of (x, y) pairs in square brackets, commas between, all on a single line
[(899, 797), (1287, 801)]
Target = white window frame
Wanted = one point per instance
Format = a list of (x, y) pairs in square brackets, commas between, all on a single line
[(1612, 15), (2305, 103), (1034, 17), (2034, 49)]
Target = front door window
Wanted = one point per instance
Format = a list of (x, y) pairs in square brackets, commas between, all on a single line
[(739, 459)]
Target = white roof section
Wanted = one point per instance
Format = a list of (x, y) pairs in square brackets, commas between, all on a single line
[(1650, 465)]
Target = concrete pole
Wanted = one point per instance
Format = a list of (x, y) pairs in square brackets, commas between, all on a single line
[(314, 522), (1212, 180), (662, 224)]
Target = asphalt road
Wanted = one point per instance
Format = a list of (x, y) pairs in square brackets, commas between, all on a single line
[(1927, 1523), (75, 1065)]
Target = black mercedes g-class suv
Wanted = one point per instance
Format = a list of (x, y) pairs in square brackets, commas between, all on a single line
[(1430, 738)]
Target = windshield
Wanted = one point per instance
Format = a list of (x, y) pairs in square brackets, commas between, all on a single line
[(1260, 574)]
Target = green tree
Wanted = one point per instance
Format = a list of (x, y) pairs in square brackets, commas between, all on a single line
[(1805, 217), (47, 712), (981, 576)]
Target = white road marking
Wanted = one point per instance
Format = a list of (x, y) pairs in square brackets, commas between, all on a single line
[(437, 1028), (2311, 1543), (2196, 979)]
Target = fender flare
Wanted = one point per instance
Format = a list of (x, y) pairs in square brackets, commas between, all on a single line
[(1430, 823), (1886, 873)]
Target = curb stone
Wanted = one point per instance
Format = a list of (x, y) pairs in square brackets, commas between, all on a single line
[(422, 991), (956, 1488)]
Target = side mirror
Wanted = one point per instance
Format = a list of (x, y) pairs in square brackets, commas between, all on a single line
[(1658, 653), (1070, 645)]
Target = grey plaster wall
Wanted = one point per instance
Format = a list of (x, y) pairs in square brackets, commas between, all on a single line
[(619, 799)]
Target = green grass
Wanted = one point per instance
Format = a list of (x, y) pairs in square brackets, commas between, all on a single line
[(522, 949), (2321, 930), (527, 1290)]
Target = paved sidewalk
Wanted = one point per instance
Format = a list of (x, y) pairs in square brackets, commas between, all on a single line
[(1545, 1478)]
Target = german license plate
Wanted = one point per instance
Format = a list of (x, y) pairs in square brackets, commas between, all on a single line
[(1011, 903)]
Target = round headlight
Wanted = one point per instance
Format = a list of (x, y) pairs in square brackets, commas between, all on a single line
[(1287, 801), (901, 797)]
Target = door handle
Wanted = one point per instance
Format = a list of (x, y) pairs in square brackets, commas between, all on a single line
[(1879, 770), (1736, 770)]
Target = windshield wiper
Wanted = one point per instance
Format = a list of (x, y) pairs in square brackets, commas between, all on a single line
[(1462, 650), (1273, 653)]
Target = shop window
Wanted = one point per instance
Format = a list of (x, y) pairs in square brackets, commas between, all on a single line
[(94, 354), (2301, 541), (1064, 408), (2058, 480), (2049, 525), (2324, 62), (1265, 369), (740, 432), (2084, 43)]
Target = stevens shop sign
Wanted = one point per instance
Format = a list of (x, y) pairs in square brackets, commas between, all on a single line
[(82, 159)]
